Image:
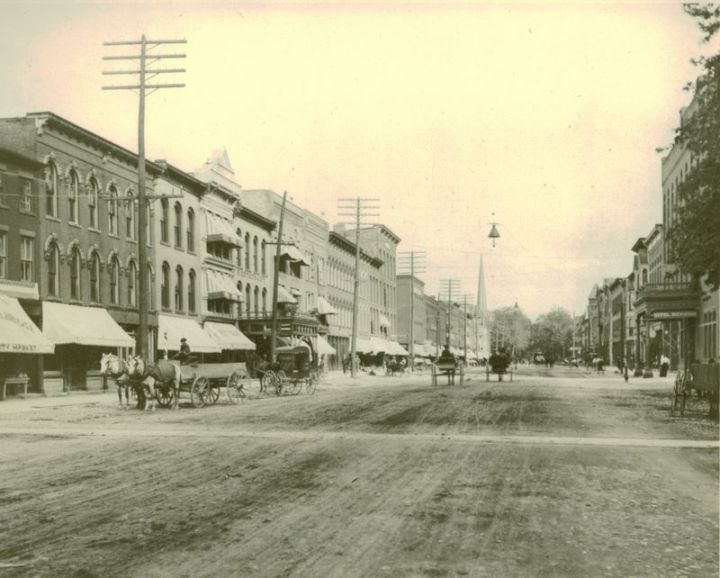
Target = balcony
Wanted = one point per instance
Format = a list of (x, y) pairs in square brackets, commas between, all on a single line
[(668, 300)]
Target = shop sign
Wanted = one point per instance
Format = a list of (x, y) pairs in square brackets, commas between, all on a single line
[(666, 315)]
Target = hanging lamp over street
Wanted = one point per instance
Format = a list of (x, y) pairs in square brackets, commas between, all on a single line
[(494, 234)]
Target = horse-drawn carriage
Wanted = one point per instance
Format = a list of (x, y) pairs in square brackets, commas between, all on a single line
[(166, 380), (293, 369)]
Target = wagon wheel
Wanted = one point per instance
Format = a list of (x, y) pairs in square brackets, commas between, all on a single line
[(295, 387), (235, 388), (199, 391), (165, 395), (311, 383), (280, 381), (213, 393)]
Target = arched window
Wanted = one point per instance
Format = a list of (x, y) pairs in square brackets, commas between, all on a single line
[(238, 232), (93, 203), (73, 196), (51, 189), (263, 263), (115, 281), (151, 287), (132, 297), (191, 230), (191, 291), (164, 217), (264, 302), (178, 225), (247, 251), (165, 286), (112, 211), (255, 254), (95, 278), (130, 216), (75, 263), (53, 270), (256, 298), (179, 288), (248, 305)]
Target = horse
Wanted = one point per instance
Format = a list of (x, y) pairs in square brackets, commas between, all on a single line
[(162, 371), (113, 366)]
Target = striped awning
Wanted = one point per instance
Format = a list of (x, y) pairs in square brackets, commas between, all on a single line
[(221, 286), (172, 329), (323, 347), (324, 308), (363, 345), (284, 296), (397, 349), (227, 336), (18, 334), (294, 254), (221, 230), (91, 326)]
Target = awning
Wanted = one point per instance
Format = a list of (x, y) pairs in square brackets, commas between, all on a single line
[(172, 329), (324, 308), (379, 345), (82, 325), (18, 334), (228, 336), (221, 286), (397, 349), (384, 321), (323, 347), (294, 254), (284, 296), (220, 230), (363, 346)]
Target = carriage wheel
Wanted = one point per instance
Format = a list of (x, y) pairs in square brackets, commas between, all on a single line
[(311, 383), (295, 387), (235, 388), (165, 395), (280, 381), (199, 391), (213, 393)]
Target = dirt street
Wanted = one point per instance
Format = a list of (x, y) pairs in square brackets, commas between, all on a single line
[(559, 474)]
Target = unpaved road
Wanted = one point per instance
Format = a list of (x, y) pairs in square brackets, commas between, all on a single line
[(548, 476)]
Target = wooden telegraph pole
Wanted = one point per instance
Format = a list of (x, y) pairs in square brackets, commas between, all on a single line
[(415, 262), (143, 74), (360, 209)]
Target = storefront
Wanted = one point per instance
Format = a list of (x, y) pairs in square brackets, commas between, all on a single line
[(21, 344), (80, 335), (172, 329), (231, 340)]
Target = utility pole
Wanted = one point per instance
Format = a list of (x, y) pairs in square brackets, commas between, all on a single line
[(465, 300), (143, 74), (276, 281), (415, 260), (449, 287), (360, 208)]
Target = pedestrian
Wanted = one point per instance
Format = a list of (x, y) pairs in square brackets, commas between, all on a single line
[(664, 365)]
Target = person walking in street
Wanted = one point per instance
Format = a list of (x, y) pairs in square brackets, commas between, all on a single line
[(664, 365)]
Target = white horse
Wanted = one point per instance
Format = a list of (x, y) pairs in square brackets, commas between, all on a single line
[(113, 366), (161, 372)]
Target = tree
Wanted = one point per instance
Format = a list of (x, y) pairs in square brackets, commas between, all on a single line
[(510, 329), (552, 333), (695, 234)]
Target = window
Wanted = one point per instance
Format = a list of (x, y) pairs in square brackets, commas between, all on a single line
[(191, 291), (73, 193), (26, 201), (52, 273), (178, 225), (255, 254), (132, 297), (75, 263), (238, 232), (262, 258), (179, 289), (164, 216), (95, 278), (165, 286), (3, 254), (190, 230), (130, 216), (115, 281), (51, 189), (248, 305), (112, 211), (26, 258), (247, 251), (151, 287), (256, 298), (264, 302), (93, 203)]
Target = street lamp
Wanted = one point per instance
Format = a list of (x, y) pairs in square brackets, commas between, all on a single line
[(494, 234)]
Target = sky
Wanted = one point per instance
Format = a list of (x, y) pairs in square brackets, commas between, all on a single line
[(542, 117)]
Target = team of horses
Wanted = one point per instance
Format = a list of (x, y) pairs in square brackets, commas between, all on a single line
[(134, 373)]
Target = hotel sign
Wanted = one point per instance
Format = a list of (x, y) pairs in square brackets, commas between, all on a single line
[(668, 315)]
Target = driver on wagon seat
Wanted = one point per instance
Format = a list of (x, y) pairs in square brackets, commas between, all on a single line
[(183, 355)]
